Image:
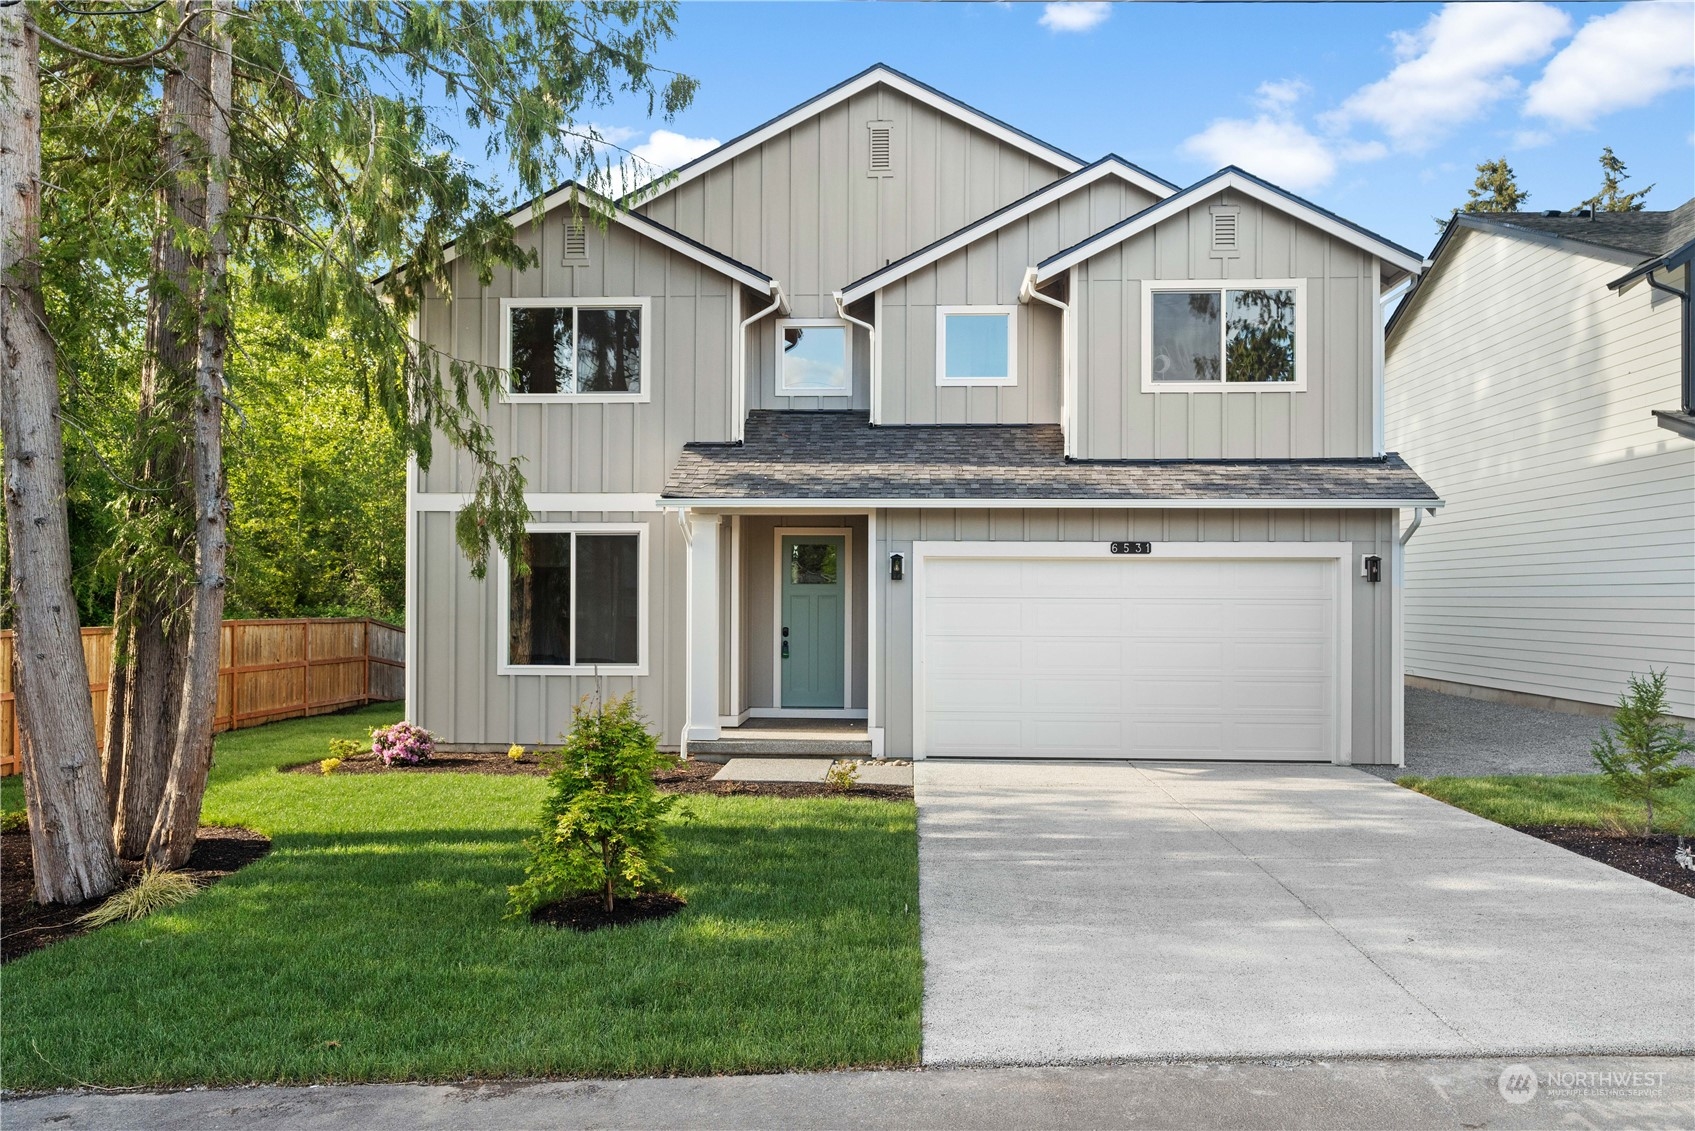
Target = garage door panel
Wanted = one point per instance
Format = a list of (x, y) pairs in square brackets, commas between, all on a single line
[(1143, 658)]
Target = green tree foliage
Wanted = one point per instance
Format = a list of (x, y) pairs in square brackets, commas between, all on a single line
[(1495, 190), (1639, 753), (602, 824), (1611, 198)]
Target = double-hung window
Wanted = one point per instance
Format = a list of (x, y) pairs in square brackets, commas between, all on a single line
[(976, 345), (814, 358), (1224, 335), (577, 349), (581, 606)]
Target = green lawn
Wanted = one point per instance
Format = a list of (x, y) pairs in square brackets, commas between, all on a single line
[(369, 944), (1563, 799)]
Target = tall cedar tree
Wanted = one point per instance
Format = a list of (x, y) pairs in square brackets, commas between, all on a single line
[(327, 151), (1611, 198)]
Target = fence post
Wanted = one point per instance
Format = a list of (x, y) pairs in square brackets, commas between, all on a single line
[(235, 673)]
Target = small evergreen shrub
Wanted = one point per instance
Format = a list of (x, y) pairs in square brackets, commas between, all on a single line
[(602, 822), (403, 744), (515, 752), (842, 776), (341, 749), (1639, 753), (327, 766), (14, 821)]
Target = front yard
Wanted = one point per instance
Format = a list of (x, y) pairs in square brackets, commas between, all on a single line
[(369, 944)]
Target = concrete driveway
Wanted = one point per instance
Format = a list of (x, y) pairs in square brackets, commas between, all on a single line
[(1080, 912)]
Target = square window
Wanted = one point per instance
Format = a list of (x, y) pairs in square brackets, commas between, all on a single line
[(580, 602), (812, 563), (813, 358), (976, 345), (576, 349)]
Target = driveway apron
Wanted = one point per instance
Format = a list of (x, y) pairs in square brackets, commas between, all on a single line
[(1076, 912)]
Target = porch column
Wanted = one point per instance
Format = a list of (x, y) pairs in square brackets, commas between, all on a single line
[(701, 685)]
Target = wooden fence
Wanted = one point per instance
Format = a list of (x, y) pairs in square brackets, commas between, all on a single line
[(269, 670)]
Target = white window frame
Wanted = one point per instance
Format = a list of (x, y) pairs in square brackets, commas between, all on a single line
[(943, 381), (503, 574), (1150, 287), (847, 356), (645, 376)]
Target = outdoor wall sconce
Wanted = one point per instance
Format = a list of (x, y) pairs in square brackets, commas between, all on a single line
[(897, 566), (1371, 568)]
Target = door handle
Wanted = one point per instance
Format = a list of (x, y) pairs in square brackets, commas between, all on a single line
[(785, 648)]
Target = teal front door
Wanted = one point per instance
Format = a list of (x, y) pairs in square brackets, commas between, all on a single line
[(814, 607)]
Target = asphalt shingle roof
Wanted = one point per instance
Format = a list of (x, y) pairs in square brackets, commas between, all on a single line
[(1648, 234), (838, 455)]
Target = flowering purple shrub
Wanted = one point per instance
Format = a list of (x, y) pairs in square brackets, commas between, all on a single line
[(404, 744)]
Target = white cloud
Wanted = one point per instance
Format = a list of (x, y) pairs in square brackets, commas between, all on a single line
[(627, 163), (1452, 70), (1276, 148), (664, 150), (1281, 95), (1628, 57), (1074, 15)]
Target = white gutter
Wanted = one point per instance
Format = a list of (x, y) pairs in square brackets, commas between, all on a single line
[(815, 505), (876, 355), (738, 363), (1067, 375)]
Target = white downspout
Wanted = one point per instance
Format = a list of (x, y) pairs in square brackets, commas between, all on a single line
[(1026, 293), (1398, 639), (779, 301), (876, 367)]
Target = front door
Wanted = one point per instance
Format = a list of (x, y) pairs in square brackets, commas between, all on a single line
[(814, 607)]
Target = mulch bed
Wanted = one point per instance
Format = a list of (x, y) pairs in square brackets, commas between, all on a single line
[(29, 926), (684, 777), (1647, 857), (457, 763), (588, 912)]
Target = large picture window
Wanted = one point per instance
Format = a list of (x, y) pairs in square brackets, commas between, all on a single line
[(1198, 335), (590, 350), (976, 345), (814, 358), (580, 603)]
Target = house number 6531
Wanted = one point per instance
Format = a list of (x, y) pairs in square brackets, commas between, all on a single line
[(1132, 547)]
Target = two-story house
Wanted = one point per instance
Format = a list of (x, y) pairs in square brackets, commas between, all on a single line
[(1539, 373), (890, 414)]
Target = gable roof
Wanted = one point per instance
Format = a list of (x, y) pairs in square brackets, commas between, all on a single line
[(655, 231), (1645, 240), (1110, 165), (877, 73), (1230, 177)]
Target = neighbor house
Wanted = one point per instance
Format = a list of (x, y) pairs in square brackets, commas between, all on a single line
[(1538, 375), (891, 418)]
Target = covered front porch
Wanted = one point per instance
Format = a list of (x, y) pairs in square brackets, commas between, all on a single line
[(780, 633)]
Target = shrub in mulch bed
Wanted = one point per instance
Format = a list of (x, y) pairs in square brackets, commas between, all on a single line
[(461, 763), (1652, 858), (29, 926), (588, 912)]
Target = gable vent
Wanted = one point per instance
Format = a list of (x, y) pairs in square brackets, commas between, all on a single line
[(882, 149), (576, 242), (1226, 235)]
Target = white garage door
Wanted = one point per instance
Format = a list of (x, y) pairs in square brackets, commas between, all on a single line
[(1129, 657)]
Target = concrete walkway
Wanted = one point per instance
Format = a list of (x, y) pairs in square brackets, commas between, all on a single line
[(1357, 1095), (1081, 912)]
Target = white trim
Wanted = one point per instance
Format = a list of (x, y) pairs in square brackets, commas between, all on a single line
[(846, 565), (735, 720), (995, 221), (1398, 646), (503, 596), (542, 502), (703, 611), (413, 549), (1010, 313), (1150, 287), (644, 376), (1194, 194), (806, 712), (1377, 386), (842, 93), (735, 612), (841, 324), (642, 225), (1340, 554), (875, 579), (860, 505)]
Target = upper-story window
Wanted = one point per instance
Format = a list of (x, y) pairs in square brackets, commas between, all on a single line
[(976, 345), (577, 349), (1209, 336), (814, 358)]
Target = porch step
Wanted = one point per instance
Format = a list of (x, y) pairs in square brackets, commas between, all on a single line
[(780, 745)]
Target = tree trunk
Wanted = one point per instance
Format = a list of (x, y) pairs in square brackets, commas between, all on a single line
[(150, 632), (191, 759), (70, 840)]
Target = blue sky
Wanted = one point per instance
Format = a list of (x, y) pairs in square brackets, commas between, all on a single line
[(1377, 111)]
